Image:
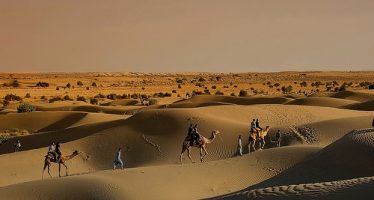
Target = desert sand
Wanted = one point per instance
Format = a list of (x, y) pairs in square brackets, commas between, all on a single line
[(326, 150)]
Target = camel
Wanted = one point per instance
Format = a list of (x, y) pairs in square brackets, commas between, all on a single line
[(187, 144), (254, 136), (50, 159)]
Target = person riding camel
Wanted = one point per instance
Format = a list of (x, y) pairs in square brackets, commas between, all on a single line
[(190, 131), (258, 125), (58, 151), (253, 126), (51, 150), (195, 135)]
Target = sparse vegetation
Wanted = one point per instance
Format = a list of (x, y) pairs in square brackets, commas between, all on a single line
[(81, 98), (42, 84), (287, 89), (25, 108), (243, 93), (219, 93), (12, 97), (94, 101)]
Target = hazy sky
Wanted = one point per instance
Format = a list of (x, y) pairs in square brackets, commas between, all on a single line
[(189, 35)]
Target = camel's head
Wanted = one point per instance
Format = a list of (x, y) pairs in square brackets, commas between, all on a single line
[(216, 132), (76, 152)]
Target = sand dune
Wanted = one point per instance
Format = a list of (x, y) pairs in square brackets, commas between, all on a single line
[(322, 101), (325, 174), (190, 181)]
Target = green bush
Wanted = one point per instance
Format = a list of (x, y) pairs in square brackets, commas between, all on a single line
[(287, 89), (25, 108)]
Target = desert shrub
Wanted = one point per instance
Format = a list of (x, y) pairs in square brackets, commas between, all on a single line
[(42, 84), (152, 101), (94, 101), (68, 85), (225, 86), (343, 87), (5, 102), (12, 97), (87, 88), (25, 108), (287, 89), (161, 94), (173, 91), (79, 83), (232, 94), (81, 98), (135, 96), (199, 84), (57, 88), (99, 96), (303, 84), (219, 93), (201, 79), (277, 84), (214, 87), (235, 86), (179, 86), (125, 96), (365, 84), (56, 98), (243, 93), (28, 95), (67, 98), (179, 80), (206, 91), (258, 91), (43, 97), (94, 84), (195, 92)]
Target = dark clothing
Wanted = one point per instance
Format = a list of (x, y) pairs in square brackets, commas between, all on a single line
[(372, 123), (277, 135), (258, 125)]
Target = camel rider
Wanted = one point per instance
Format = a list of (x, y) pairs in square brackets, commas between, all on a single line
[(190, 131), (253, 126), (258, 125), (58, 151), (196, 135), (51, 150)]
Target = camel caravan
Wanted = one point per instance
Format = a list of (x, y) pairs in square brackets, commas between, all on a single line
[(195, 139)]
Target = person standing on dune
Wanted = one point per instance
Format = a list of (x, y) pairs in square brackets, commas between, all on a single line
[(118, 160), (17, 146), (240, 147)]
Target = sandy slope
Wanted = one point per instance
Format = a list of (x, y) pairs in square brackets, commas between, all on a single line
[(191, 181), (326, 174)]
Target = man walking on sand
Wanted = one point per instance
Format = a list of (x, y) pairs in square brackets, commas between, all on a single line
[(118, 160), (240, 147)]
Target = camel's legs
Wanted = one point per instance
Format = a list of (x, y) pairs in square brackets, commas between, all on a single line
[(189, 154), (45, 166), (49, 165), (184, 148), (66, 168), (59, 169), (201, 154)]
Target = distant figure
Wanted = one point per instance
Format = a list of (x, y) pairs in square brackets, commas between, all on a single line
[(278, 138), (240, 146), (17, 146), (258, 125), (58, 151), (118, 160)]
